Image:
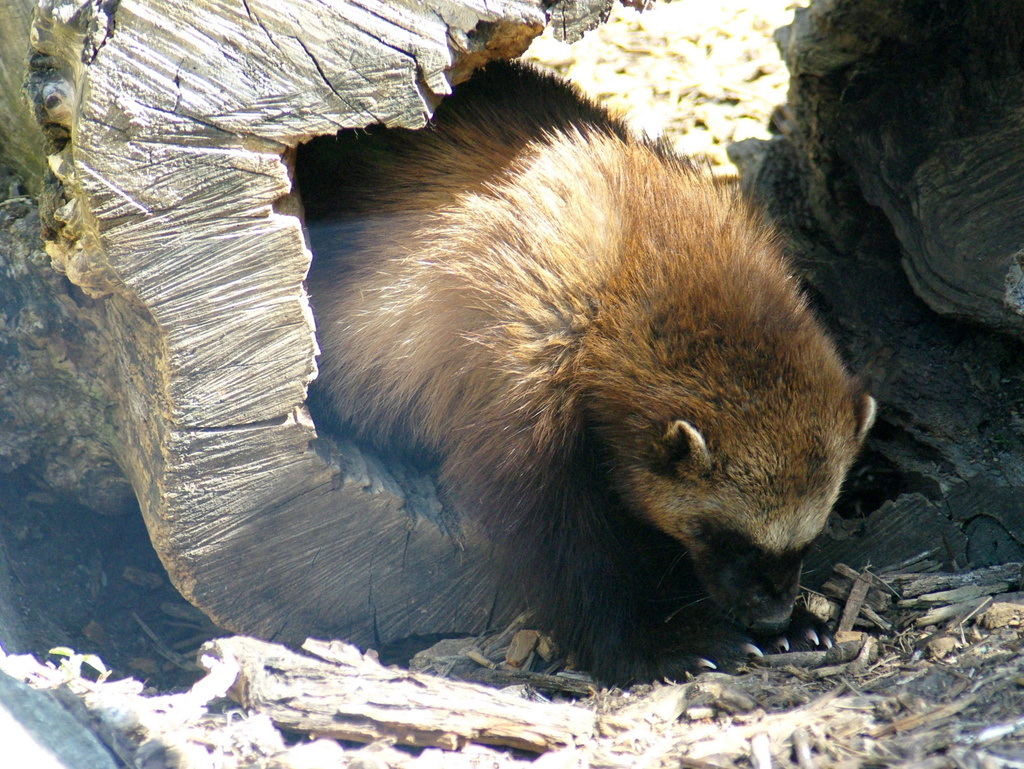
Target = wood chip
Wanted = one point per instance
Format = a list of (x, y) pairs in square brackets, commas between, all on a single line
[(930, 718), (1002, 614), (547, 648), (849, 636), (699, 712), (802, 748), (478, 657), (722, 695), (665, 704), (867, 656), (319, 754), (760, 751), (941, 645), (522, 646), (827, 671), (821, 607)]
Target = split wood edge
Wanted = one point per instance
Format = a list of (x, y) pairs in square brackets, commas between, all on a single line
[(348, 695)]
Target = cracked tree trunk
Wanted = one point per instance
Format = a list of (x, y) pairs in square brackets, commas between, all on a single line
[(169, 127)]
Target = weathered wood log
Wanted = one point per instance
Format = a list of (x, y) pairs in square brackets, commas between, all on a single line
[(21, 144), (39, 732), (920, 110), (350, 696), (617, 731), (55, 364), (990, 580), (169, 128), (173, 223)]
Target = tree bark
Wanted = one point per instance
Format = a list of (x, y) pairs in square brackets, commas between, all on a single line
[(918, 109), (899, 174)]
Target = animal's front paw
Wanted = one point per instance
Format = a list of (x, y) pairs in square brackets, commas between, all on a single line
[(723, 646), (715, 644), (804, 633)]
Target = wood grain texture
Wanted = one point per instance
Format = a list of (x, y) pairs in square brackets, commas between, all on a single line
[(170, 128), (21, 142), (900, 173), (348, 696)]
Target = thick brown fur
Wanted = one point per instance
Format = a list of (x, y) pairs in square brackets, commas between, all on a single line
[(605, 352)]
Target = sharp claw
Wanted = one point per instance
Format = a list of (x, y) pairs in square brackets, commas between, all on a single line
[(752, 650), (783, 643), (812, 636), (828, 642), (706, 663)]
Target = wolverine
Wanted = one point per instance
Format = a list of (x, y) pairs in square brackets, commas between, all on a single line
[(605, 353)]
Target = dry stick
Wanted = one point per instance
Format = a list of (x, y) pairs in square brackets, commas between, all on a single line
[(809, 659), (858, 593), (550, 684), (954, 614), (504, 638), (977, 610), (874, 617), (163, 650), (914, 585), (920, 719), (912, 560), (845, 571), (841, 653), (948, 597)]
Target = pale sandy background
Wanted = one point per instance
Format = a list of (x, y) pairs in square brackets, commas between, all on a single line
[(703, 73)]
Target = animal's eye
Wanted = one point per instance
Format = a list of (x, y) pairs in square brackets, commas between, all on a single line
[(726, 542)]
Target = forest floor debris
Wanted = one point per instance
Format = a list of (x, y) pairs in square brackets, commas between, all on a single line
[(875, 699)]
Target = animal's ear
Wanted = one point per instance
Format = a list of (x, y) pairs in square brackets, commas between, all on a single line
[(864, 410), (682, 442)]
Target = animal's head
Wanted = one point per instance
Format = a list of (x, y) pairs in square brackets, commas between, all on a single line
[(743, 470), (747, 505)]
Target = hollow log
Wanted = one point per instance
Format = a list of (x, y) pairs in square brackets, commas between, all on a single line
[(168, 130), (918, 109)]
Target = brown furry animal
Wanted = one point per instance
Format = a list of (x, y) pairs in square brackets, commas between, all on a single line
[(605, 352)]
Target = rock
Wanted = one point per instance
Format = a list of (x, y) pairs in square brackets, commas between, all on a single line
[(37, 732)]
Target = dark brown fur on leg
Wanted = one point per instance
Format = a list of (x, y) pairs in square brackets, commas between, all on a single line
[(604, 352)]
